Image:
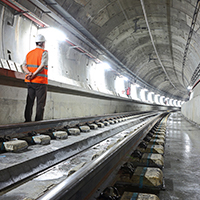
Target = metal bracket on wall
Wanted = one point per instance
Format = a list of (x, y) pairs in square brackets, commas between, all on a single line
[(20, 13)]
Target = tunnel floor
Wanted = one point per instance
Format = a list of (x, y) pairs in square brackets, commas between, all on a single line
[(182, 161)]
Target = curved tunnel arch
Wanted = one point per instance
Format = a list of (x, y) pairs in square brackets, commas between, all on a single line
[(112, 24)]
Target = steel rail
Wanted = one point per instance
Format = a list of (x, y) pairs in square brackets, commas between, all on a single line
[(66, 150), (21, 128), (84, 183)]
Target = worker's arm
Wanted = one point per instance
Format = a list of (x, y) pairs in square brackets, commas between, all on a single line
[(39, 69), (28, 73), (31, 75), (25, 68)]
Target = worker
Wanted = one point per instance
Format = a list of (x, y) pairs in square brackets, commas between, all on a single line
[(36, 68), (128, 91)]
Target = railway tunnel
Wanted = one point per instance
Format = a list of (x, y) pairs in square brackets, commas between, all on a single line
[(123, 94)]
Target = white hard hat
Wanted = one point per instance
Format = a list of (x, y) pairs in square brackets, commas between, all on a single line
[(40, 38)]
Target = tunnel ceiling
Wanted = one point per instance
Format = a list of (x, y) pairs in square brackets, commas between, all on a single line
[(121, 27)]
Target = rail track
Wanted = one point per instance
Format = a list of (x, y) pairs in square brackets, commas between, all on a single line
[(79, 167)]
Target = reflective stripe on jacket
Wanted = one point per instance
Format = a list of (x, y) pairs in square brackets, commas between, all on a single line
[(33, 61)]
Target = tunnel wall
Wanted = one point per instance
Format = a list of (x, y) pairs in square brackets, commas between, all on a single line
[(65, 101), (190, 109), (66, 63), (78, 85)]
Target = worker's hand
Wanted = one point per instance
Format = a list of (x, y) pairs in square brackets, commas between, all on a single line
[(29, 75), (32, 76)]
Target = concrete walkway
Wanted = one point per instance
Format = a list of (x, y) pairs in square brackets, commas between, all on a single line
[(182, 160)]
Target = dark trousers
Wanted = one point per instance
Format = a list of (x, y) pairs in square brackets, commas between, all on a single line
[(40, 92)]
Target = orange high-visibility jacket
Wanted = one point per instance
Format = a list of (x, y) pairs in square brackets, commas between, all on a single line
[(33, 61)]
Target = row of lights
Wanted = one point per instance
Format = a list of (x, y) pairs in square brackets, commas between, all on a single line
[(163, 100), (166, 99), (55, 34)]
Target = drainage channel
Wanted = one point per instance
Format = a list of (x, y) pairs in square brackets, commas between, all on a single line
[(129, 167), (84, 175), (19, 165)]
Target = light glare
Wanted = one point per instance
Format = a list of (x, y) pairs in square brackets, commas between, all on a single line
[(137, 85), (189, 87), (106, 66), (52, 34), (125, 78)]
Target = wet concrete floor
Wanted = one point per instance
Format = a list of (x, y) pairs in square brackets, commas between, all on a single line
[(182, 160)]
